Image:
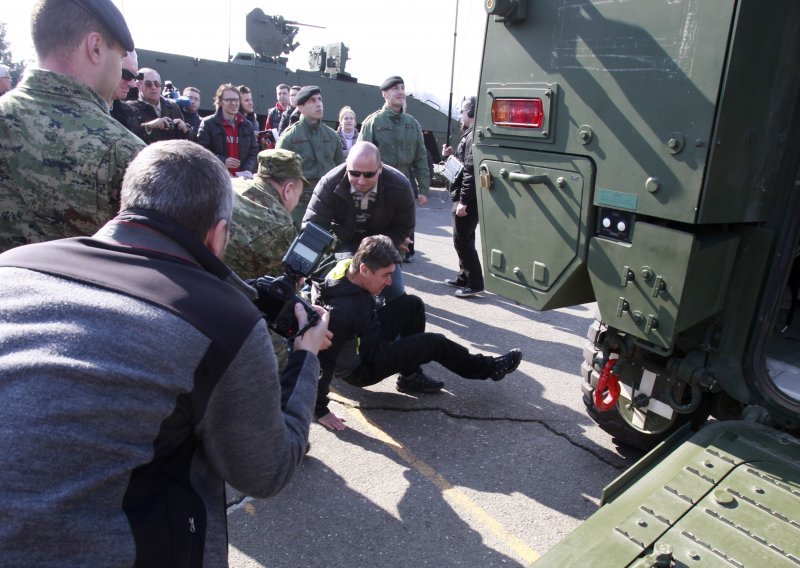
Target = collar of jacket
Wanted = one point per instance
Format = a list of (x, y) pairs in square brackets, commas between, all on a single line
[(395, 116), (152, 231), (314, 127)]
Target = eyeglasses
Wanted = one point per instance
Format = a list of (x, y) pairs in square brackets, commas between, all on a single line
[(367, 175), (151, 84), (130, 76), (230, 100)]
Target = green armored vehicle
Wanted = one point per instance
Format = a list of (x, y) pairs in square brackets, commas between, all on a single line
[(646, 155)]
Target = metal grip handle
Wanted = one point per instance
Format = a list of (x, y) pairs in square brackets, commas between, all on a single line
[(528, 178)]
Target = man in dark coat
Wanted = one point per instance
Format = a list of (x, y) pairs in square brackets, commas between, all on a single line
[(228, 135)]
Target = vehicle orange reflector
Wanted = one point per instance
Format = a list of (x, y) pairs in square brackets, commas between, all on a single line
[(518, 113)]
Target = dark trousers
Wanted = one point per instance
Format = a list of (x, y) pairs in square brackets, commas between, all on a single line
[(406, 346), (469, 263)]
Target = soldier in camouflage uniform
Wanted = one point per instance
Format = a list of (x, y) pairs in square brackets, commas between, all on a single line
[(316, 143), (399, 136), (62, 155), (261, 227)]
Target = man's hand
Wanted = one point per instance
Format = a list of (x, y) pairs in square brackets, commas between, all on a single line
[(446, 150), (162, 123), (332, 422), (461, 210), (232, 163), (421, 199), (315, 337), (180, 125), (404, 246)]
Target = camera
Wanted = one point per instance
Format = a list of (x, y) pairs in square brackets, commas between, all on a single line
[(276, 294)]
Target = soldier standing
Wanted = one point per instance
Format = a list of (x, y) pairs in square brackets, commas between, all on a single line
[(316, 143), (62, 155), (399, 137)]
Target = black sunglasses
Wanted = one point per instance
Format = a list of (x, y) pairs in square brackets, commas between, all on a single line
[(367, 175), (130, 76)]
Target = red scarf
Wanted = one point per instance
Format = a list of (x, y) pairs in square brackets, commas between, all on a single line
[(232, 139)]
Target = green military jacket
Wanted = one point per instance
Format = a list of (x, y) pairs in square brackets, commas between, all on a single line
[(261, 230), (62, 158), (399, 137), (317, 144)]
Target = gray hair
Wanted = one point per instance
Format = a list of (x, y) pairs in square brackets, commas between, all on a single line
[(376, 252), (182, 180)]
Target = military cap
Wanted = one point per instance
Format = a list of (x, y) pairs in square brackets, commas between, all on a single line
[(110, 16), (306, 93), (281, 164), (391, 82)]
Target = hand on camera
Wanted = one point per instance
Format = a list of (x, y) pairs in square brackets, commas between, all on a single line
[(316, 338)]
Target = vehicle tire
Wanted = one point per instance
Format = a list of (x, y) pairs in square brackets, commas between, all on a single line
[(611, 421)]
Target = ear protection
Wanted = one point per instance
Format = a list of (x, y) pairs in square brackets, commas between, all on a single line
[(472, 103)]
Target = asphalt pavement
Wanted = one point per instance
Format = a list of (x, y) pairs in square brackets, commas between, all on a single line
[(482, 474)]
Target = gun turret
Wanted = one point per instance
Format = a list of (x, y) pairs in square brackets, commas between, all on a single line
[(271, 36)]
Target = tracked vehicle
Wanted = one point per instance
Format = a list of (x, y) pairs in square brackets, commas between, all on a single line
[(646, 156)]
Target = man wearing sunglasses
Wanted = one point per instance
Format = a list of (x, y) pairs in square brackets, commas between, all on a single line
[(125, 114), (365, 197), (62, 157), (161, 118)]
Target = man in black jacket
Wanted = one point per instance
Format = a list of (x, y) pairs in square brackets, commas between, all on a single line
[(465, 211), (161, 119), (228, 135), (370, 345), (364, 197)]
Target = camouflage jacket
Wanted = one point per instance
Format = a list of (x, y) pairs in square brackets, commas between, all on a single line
[(317, 144), (62, 158), (399, 137), (261, 230)]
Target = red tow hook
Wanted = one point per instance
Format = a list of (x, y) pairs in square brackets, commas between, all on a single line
[(607, 392)]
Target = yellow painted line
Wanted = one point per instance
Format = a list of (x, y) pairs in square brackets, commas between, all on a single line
[(525, 552)]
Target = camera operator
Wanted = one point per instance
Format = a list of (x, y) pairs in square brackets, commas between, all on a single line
[(137, 379), (161, 118)]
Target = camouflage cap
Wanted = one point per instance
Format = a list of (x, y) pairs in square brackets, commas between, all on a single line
[(281, 164), (111, 17)]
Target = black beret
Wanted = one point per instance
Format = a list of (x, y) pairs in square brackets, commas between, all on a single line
[(111, 17), (391, 82), (306, 93)]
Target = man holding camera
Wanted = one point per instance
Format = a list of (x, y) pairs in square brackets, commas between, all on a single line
[(137, 379), (370, 345), (161, 118)]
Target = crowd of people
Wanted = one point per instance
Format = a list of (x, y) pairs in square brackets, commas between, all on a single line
[(137, 374)]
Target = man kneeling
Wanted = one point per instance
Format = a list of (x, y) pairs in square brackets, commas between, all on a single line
[(371, 344)]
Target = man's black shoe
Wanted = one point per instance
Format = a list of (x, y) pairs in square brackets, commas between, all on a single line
[(418, 382), (454, 282), (505, 364), (467, 292)]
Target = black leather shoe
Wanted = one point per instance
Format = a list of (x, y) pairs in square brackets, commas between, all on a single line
[(418, 382)]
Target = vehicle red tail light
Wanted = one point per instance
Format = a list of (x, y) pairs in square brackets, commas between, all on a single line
[(518, 113)]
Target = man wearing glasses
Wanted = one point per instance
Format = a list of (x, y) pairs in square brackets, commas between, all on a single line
[(125, 114), (228, 135), (161, 119), (365, 197)]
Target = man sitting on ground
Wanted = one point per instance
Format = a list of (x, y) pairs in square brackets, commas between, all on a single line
[(370, 345)]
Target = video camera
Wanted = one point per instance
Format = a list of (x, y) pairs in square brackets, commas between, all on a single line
[(170, 92), (276, 294)]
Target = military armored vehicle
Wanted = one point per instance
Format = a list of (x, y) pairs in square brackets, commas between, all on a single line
[(272, 37), (646, 156)]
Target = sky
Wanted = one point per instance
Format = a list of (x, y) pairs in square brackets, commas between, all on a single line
[(411, 38)]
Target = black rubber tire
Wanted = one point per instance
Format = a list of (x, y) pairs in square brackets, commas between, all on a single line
[(611, 421)]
